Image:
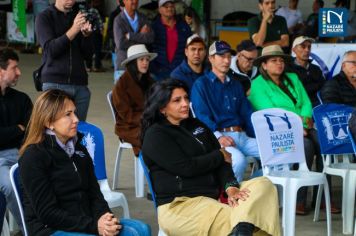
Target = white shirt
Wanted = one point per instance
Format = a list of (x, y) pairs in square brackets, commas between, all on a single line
[(293, 17)]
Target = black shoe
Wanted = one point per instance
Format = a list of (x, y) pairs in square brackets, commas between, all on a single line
[(242, 229)]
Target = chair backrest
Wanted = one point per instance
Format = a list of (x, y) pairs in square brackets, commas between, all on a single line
[(279, 136), (146, 171), (331, 121), (191, 109), (15, 183), (109, 99), (93, 140), (319, 97), (351, 139)]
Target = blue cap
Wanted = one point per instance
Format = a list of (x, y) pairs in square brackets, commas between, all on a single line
[(219, 47)]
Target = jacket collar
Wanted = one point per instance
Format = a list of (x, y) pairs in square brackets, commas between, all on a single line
[(187, 70), (236, 69), (212, 77)]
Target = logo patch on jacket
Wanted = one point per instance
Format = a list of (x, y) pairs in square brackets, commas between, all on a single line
[(80, 153), (198, 130)]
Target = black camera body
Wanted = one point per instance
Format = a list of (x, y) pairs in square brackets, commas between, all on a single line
[(89, 16)]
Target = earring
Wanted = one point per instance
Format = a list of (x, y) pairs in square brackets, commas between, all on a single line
[(51, 128)]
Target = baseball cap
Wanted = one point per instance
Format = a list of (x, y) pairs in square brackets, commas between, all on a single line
[(302, 39), (247, 45), (162, 2), (193, 39), (219, 47)]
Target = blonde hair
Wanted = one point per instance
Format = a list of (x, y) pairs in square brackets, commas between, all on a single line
[(45, 111)]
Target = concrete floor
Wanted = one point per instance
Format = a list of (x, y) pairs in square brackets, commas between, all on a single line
[(141, 208)]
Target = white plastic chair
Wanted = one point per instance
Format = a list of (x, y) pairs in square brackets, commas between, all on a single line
[(333, 143), (93, 140), (139, 176), (279, 135), (14, 178)]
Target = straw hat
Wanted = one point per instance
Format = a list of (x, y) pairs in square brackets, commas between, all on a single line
[(271, 51), (137, 51)]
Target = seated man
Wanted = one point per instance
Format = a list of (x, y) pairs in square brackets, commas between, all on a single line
[(342, 87), (221, 104), (242, 64), (309, 74), (15, 111), (192, 67)]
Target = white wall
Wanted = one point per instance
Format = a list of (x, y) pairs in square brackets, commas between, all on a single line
[(222, 7)]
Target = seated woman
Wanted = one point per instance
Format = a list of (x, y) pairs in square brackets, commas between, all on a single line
[(189, 169), (274, 88), (128, 95), (61, 195)]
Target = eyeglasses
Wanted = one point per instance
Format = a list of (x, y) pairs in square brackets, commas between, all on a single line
[(352, 62), (249, 59)]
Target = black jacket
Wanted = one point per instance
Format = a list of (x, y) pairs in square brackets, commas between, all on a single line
[(15, 108), (312, 79), (64, 59), (185, 160), (339, 90), (59, 192)]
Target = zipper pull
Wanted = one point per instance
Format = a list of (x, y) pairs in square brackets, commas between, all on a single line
[(75, 167)]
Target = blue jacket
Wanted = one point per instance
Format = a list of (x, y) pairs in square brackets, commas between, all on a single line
[(221, 105), (184, 73), (160, 66)]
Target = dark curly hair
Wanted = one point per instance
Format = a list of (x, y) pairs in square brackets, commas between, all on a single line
[(157, 98)]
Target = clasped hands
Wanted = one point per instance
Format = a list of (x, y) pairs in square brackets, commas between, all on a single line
[(108, 225)]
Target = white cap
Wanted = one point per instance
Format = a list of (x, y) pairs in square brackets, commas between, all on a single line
[(162, 2), (302, 39)]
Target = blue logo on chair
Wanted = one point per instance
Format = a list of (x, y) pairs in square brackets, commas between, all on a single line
[(282, 141), (284, 118), (89, 143), (335, 124)]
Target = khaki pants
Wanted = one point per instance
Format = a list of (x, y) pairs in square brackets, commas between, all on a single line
[(201, 216)]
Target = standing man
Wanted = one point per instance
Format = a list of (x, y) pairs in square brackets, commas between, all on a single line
[(267, 28), (342, 87), (130, 28), (64, 35), (309, 74), (292, 15), (242, 67), (192, 67), (311, 28), (221, 104), (171, 34), (15, 111)]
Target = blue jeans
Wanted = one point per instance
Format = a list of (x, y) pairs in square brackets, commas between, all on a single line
[(245, 146), (8, 158), (130, 227), (80, 93)]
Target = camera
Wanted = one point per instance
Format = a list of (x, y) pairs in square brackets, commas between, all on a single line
[(89, 16)]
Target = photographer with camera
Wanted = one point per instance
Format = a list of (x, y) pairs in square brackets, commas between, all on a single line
[(64, 35), (94, 18)]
